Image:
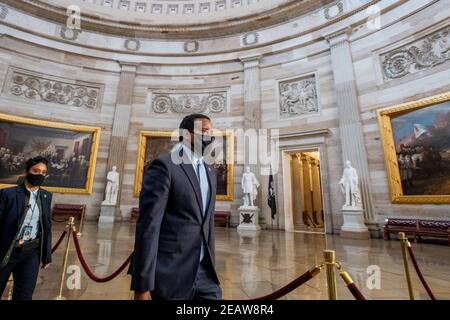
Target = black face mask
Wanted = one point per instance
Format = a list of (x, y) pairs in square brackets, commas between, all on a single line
[(36, 180), (204, 140)]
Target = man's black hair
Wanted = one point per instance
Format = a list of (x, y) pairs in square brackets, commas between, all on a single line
[(188, 123), (34, 161)]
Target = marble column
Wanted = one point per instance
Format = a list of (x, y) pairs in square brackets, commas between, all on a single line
[(252, 111), (121, 124), (350, 126), (296, 192), (317, 192), (307, 198)]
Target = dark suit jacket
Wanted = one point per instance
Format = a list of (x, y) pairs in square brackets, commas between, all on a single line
[(12, 205), (171, 227)]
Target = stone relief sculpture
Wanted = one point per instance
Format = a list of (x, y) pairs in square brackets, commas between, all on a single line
[(250, 186), (420, 55), (49, 90), (112, 187), (190, 103), (350, 186), (298, 96)]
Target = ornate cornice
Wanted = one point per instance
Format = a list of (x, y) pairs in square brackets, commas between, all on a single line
[(172, 31)]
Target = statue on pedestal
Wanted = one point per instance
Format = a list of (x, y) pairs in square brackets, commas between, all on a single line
[(112, 187), (349, 186), (250, 187)]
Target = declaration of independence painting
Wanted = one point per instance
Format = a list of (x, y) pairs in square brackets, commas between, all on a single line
[(70, 149), (154, 143), (420, 135)]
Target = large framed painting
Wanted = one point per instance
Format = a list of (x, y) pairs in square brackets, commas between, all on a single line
[(416, 143), (154, 143), (70, 149)]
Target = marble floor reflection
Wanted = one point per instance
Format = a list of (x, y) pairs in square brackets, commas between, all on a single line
[(251, 265)]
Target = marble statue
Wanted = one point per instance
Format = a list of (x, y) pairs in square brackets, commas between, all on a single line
[(112, 187), (250, 187), (349, 186)]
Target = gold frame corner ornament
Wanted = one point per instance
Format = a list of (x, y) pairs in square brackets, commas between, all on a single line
[(140, 160), (95, 131), (390, 156)]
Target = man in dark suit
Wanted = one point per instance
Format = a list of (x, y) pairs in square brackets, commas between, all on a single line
[(174, 245), (25, 230)]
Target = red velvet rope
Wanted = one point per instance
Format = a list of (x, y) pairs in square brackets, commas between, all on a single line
[(86, 268), (291, 286), (419, 273), (59, 240), (355, 292)]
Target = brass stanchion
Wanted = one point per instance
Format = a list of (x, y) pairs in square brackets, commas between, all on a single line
[(80, 231), (70, 227), (11, 286), (404, 243), (330, 263)]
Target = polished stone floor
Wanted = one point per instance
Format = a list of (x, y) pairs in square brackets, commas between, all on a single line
[(252, 265)]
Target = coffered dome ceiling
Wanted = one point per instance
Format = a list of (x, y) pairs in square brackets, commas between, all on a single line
[(172, 19)]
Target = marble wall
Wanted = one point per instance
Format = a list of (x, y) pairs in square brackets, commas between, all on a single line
[(299, 94)]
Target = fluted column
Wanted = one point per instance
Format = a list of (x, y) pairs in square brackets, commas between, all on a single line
[(296, 189), (307, 199), (317, 191), (121, 124), (350, 126)]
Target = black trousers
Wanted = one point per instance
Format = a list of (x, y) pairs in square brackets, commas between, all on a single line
[(205, 287), (24, 267)]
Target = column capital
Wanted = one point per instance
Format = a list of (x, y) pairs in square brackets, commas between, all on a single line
[(339, 36), (128, 66), (250, 61)]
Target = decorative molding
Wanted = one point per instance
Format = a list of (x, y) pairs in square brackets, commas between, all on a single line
[(69, 34), (422, 54), (35, 87), (185, 103), (250, 38), (3, 11), (298, 97), (334, 10), (132, 44), (191, 46), (143, 22)]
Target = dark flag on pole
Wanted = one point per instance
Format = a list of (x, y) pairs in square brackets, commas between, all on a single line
[(271, 196)]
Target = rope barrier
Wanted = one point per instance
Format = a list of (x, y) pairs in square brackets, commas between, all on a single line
[(291, 286), (329, 262), (88, 270), (356, 293), (61, 238), (419, 273)]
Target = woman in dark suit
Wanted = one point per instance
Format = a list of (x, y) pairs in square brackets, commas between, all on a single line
[(25, 230)]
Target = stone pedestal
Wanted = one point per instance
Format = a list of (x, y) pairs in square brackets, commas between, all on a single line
[(248, 217), (108, 213), (354, 227)]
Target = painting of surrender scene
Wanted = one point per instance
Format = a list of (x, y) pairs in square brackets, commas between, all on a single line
[(422, 143)]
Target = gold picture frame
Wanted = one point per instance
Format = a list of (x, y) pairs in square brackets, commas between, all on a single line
[(60, 132), (173, 137), (398, 179)]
